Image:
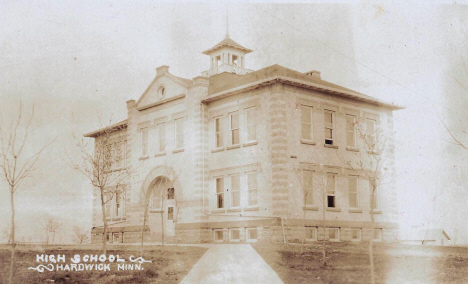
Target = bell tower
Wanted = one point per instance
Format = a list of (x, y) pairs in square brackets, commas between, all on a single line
[(227, 56)]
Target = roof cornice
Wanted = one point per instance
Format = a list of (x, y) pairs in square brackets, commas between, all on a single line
[(302, 84)]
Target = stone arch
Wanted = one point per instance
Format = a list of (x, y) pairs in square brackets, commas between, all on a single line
[(160, 172)]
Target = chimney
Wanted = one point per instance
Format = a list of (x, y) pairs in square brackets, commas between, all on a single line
[(314, 73), (161, 70)]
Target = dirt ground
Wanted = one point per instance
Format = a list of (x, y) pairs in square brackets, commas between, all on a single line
[(169, 265), (349, 263)]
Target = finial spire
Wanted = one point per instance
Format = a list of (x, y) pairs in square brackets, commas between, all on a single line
[(227, 22)]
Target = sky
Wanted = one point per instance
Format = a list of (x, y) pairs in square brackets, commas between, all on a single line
[(78, 60)]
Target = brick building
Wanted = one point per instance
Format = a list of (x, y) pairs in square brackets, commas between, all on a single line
[(239, 155)]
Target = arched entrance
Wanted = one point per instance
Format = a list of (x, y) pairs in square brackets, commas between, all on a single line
[(162, 206), (160, 189)]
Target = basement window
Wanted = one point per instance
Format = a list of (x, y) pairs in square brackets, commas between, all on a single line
[(355, 234), (234, 235), (218, 235), (334, 234), (251, 234), (311, 233)]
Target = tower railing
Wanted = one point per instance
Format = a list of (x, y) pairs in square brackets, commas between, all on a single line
[(226, 68)]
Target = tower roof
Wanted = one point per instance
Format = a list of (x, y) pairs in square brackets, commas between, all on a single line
[(227, 41)]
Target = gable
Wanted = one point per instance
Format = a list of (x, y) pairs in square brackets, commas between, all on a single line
[(173, 87)]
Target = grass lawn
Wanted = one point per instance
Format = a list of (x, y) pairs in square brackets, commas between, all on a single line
[(348, 262), (169, 265)]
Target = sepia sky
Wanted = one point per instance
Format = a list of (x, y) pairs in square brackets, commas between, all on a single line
[(75, 60)]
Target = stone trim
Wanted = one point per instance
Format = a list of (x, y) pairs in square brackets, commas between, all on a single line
[(161, 102)]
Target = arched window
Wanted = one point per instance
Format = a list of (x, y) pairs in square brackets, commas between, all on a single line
[(161, 92)]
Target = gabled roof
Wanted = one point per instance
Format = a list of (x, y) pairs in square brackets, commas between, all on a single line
[(223, 86), (227, 41), (114, 127)]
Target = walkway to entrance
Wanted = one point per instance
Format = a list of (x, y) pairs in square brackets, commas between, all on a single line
[(231, 264)]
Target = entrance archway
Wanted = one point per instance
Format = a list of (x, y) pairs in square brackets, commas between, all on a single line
[(160, 189), (161, 201)]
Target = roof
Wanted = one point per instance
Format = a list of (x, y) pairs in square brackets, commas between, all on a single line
[(426, 235), (224, 85), (227, 41), (114, 127)]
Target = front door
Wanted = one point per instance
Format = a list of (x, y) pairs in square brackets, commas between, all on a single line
[(170, 213)]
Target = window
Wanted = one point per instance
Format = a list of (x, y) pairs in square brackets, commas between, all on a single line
[(329, 125), (374, 203), (252, 188), (311, 233), (306, 122), (118, 204), (370, 129), (218, 235), (219, 192), (144, 141), (350, 131), (179, 133), (234, 60), (170, 193), (170, 213), (235, 191), (124, 153), (118, 154), (355, 234), (252, 234), (307, 178), (251, 124), (334, 234), (218, 60), (218, 124), (161, 138), (234, 235), (234, 127), (353, 191), (331, 193), (161, 92), (108, 201), (377, 234)]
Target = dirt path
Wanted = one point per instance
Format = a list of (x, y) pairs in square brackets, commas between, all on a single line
[(231, 264)]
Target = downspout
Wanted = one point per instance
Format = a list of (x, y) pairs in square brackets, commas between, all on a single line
[(203, 154)]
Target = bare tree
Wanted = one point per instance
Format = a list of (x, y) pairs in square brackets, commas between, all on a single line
[(105, 166), (81, 235), (372, 166), (17, 163), (311, 183), (51, 225)]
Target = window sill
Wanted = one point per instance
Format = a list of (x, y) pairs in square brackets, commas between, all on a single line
[(143, 158), (160, 154), (334, 209), (220, 210), (156, 211), (355, 210), (373, 152), (308, 142), (376, 211), (252, 208), (310, 208), (310, 240), (330, 146), (251, 143), (178, 150), (234, 210), (233, 147), (218, 150), (118, 219), (352, 149)]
